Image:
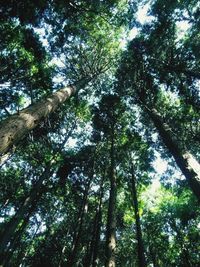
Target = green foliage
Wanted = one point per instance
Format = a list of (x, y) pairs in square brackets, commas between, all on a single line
[(46, 45)]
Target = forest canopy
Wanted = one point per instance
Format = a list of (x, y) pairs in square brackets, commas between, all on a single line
[(99, 133)]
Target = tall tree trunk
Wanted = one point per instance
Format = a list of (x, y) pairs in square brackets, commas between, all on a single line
[(12, 225), (97, 229), (153, 256), (186, 162), (97, 238), (91, 255), (91, 244), (30, 203), (17, 126), (140, 246), (111, 219), (14, 242), (76, 241), (184, 255)]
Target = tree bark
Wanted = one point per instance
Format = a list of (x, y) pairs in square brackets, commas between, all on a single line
[(111, 219), (17, 126), (185, 161), (140, 246), (12, 225)]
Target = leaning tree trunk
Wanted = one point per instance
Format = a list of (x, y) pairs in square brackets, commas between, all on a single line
[(17, 126), (111, 219), (12, 225), (140, 246), (186, 162)]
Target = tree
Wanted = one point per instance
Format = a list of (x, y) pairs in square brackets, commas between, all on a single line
[(94, 178), (146, 95)]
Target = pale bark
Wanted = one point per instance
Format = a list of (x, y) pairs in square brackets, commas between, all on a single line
[(17, 126)]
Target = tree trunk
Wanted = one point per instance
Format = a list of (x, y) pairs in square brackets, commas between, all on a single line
[(91, 256), (97, 229), (97, 238), (111, 219), (91, 243), (30, 203), (14, 128), (14, 242), (76, 241), (140, 246), (12, 225), (184, 254), (186, 162)]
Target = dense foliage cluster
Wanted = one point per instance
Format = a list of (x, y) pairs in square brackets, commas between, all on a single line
[(99, 133)]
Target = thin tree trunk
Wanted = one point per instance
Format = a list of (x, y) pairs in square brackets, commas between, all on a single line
[(62, 254), (16, 238), (91, 243), (12, 225), (91, 256), (140, 246), (152, 248), (111, 219), (17, 126), (153, 256), (97, 229), (186, 162), (184, 255), (30, 202), (76, 242), (96, 238)]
